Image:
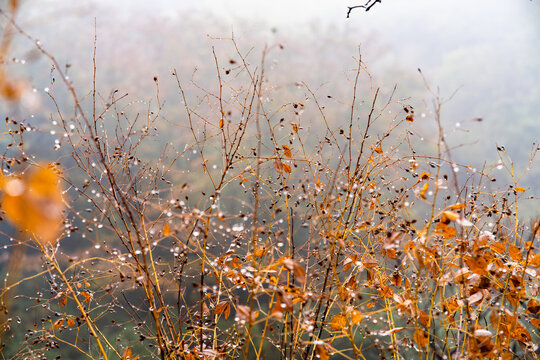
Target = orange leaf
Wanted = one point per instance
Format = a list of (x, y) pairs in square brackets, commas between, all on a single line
[(286, 168), (87, 296), (322, 352), (166, 229), (63, 301), (338, 322), (498, 247), (515, 252), (71, 322), (221, 123), (356, 317), (34, 202), (287, 151), (519, 189), (424, 190), (127, 355), (58, 324)]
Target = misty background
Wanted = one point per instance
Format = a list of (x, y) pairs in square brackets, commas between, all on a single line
[(486, 52)]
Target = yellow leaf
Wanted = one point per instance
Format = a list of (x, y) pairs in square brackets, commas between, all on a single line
[(424, 190)]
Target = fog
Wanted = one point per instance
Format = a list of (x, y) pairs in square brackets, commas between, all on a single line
[(487, 52)]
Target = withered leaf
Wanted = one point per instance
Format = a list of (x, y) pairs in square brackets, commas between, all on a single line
[(296, 269)]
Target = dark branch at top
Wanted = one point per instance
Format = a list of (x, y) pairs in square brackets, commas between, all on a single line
[(368, 5)]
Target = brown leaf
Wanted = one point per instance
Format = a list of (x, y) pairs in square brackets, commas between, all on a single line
[(296, 269), (386, 291), (421, 338), (223, 307), (244, 314), (396, 279), (278, 165), (477, 265), (533, 307)]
